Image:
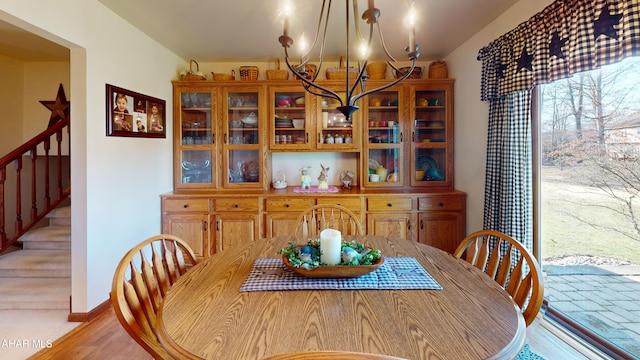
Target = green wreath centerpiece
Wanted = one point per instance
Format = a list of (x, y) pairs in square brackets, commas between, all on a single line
[(307, 256)]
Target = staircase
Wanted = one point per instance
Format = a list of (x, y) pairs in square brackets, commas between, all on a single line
[(39, 275)]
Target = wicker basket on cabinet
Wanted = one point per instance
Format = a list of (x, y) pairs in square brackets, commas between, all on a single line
[(277, 74), (248, 73), (191, 74)]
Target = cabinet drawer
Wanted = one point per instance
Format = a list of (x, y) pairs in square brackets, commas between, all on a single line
[(289, 204), (186, 205), (389, 204), (236, 204), (351, 203), (443, 202)]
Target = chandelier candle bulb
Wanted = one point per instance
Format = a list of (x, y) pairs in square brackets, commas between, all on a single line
[(412, 29), (287, 13), (330, 246)]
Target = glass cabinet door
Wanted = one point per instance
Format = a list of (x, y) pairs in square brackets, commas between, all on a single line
[(242, 148), (383, 145), (289, 122), (196, 139), (334, 131), (430, 139)]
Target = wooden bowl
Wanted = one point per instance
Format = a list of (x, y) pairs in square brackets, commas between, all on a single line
[(336, 271)]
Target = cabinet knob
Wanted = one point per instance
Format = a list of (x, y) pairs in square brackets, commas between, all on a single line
[(286, 205), (235, 206), (185, 206), (390, 205), (441, 204)]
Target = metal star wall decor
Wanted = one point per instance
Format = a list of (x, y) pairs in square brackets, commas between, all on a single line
[(59, 108), (604, 25), (556, 45)]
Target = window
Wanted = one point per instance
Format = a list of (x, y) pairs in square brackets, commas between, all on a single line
[(590, 201)]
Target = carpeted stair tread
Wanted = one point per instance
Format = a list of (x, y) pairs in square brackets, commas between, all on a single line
[(36, 263), (60, 216), (34, 293), (50, 237)]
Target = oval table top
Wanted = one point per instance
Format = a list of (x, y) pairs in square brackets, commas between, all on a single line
[(205, 315)]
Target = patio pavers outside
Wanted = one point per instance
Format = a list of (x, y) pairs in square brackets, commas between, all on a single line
[(604, 298)]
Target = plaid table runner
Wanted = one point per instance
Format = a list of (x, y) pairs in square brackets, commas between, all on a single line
[(268, 274)]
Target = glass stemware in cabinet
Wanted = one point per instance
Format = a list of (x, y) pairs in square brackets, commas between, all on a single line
[(244, 166), (196, 142), (196, 167), (196, 125)]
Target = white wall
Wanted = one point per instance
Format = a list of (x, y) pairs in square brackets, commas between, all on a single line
[(12, 75), (471, 115), (41, 81), (116, 180)]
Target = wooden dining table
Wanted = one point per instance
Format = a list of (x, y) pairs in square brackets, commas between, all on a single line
[(206, 316)]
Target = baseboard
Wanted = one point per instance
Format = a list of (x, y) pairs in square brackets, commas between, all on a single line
[(92, 314)]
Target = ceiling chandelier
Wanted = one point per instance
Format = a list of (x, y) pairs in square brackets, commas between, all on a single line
[(354, 87)]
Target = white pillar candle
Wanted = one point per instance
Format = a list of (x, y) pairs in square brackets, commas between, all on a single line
[(330, 246)]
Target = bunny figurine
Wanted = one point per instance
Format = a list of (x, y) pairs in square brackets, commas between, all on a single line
[(323, 178)]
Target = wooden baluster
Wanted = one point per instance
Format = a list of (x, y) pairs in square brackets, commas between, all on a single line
[(18, 165), (33, 154), (47, 194), (38, 186), (59, 140), (3, 224)]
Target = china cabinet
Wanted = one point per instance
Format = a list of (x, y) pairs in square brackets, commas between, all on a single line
[(441, 218), (291, 119), (383, 162), (281, 213), (188, 218), (194, 138), (243, 127), (300, 121), (391, 216), (431, 141), (236, 220), (225, 133), (334, 132)]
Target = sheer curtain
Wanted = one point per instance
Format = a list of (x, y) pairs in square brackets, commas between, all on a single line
[(567, 37)]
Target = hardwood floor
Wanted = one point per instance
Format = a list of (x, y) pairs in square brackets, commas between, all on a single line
[(104, 338), (101, 338)]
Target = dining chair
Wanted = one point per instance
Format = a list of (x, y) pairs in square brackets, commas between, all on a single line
[(140, 283), (319, 217), (330, 355), (503, 259)]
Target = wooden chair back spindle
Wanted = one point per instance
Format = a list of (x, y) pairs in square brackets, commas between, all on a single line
[(140, 284), (319, 217), (522, 280)]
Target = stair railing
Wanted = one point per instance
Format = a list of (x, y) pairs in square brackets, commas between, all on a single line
[(40, 181)]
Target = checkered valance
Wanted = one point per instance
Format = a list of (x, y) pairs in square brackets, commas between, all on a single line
[(567, 37)]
